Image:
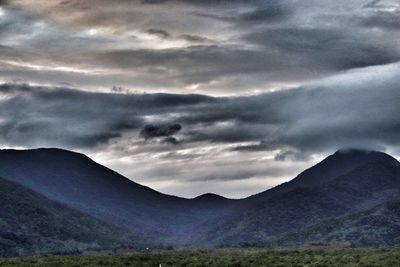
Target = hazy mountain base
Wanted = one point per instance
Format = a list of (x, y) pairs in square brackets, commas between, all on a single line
[(222, 258)]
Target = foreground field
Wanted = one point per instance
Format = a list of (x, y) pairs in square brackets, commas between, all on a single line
[(312, 257)]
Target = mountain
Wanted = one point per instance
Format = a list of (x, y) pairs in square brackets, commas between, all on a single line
[(76, 180), (372, 181), (333, 166), (32, 224), (346, 183)]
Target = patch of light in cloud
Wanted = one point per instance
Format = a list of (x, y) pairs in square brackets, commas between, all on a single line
[(43, 67), (154, 42), (92, 32)]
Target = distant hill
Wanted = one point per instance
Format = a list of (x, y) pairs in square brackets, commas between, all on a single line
[(32, 224), (347, 183)]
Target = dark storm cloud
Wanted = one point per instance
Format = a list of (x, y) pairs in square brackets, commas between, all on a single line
[(170, 140), (66, 117), (57, 122), (150, 131), (37, 115), (355, 109), (308, 119)]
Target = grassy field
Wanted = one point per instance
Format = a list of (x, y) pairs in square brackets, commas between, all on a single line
[(304, 257)]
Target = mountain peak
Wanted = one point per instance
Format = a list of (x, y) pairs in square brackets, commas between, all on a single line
[(358, 154), (342, 161), (209, 196), (45, 152), (333, 166), (356, 151), (351, 150)]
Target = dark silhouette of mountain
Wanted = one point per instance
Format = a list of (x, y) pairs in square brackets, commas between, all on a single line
[(337, 164), (74, 179), (346, 183), (372, 181), (32, 224), (210, 197)]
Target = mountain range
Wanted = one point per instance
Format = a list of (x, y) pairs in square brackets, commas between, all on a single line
[(60, 201)]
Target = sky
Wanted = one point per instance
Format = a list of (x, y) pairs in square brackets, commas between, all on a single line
[(201, 96)]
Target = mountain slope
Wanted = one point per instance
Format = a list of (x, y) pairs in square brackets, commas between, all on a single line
[(345, 182), (32, 224), (377, 227), (367, 185), (339, 163), (81, 183)]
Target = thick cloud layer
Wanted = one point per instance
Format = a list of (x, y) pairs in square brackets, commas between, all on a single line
[(212, 47)]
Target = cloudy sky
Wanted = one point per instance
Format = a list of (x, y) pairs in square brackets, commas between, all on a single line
[(195, 96)]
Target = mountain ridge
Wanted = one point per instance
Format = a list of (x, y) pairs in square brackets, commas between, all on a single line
[(325, 167), (343, 151), (346, 182)]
